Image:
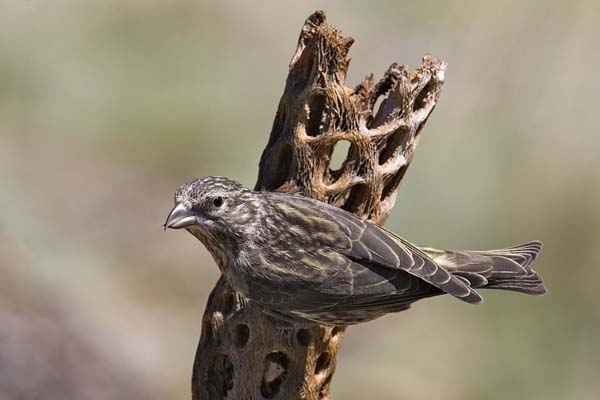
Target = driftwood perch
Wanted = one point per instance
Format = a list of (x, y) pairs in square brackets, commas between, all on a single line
[(241, 354)]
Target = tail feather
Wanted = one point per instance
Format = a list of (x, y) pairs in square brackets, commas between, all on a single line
[(524, 281), (506, 269)]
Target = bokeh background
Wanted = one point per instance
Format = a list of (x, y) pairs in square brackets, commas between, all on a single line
[(106, 107)]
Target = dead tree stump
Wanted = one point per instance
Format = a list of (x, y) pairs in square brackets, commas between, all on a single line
[(241, 354)]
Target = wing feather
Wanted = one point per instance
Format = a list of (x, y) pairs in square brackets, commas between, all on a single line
[(370, 244)]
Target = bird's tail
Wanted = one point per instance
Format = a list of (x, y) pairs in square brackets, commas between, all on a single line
[(507, 269)]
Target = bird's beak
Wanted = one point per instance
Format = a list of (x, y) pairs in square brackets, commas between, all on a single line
[(180, 217)]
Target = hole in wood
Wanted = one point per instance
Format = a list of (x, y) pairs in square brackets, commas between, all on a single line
[(392, 185), (228, 302), (358, 197), (303, 337), (336, 331), (316, 106), (377, 105), (421, 99), (391, 146), (220, 377), (281, 163), (241, 334), (276, 363), (339, 155), (323, 362)]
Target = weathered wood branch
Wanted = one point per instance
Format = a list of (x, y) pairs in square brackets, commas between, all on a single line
[(242, 354)]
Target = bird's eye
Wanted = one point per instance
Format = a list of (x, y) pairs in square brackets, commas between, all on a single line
[(218, 201)]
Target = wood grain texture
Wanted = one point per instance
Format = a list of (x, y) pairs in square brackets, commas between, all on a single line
[(243, 353)]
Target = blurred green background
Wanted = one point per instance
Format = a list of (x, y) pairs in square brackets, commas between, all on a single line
[(106, 107)]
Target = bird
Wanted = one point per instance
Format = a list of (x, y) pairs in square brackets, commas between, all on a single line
[(306, 262)]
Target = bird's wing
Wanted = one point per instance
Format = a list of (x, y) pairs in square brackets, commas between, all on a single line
[(356, 293), (370, 244)]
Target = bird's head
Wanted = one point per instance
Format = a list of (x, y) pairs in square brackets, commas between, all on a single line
[(217, 210)]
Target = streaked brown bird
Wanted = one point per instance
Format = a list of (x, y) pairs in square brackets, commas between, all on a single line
[(306, 262)]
